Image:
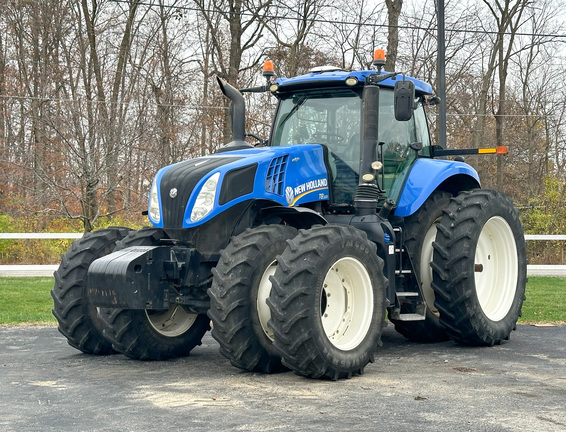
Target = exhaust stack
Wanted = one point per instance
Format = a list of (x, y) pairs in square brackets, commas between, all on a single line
[(237, 117)]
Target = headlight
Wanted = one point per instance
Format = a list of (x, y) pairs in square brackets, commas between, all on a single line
[(351, 81), (154, 212), (205, 199)]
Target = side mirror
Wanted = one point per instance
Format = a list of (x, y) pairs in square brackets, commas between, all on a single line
[(435, 100), (404, 95)]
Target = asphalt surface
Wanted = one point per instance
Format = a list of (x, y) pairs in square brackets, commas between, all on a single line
[(46, 385)]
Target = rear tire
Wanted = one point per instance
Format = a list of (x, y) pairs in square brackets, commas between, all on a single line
[(327, 302), (148, 334), (480, 267), (238, 295), (420, 232), (78, 320)]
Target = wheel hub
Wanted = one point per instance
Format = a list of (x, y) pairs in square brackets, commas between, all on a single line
[(496, 254), (346, 303), (425, 269), (263, 292), (173, 322)]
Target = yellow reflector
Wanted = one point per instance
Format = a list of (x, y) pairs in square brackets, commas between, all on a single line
[(485, 151)]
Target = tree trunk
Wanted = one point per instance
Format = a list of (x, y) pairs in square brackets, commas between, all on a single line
[(393, 12), (110, 117)]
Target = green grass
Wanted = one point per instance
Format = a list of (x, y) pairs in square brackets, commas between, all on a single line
[(546, 301), (25, 301)]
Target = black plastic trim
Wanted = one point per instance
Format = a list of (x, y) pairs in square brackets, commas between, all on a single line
[(184, 177), (237, 182)]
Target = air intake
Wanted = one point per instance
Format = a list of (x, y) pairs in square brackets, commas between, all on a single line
[(276, 175)]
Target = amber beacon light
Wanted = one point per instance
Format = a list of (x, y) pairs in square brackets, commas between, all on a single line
[(268, 69), (379, 58)]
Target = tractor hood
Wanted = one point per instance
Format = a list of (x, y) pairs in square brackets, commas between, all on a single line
[(190, 193)]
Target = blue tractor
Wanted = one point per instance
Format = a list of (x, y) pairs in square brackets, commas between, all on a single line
[(299, 249)]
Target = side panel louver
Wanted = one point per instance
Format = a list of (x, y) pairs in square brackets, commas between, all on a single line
[(276, 175)]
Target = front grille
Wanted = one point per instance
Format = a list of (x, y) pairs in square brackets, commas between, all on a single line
[(184, 177), (276, 175)]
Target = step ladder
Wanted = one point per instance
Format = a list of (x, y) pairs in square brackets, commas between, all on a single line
[(409, 304)]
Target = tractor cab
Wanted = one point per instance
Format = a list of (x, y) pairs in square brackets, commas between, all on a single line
[(327, 108)]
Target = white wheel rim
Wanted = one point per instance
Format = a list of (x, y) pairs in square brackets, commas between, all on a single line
[(173, 322), (425, 270), (347, 303), (264, 289), (496, 268)]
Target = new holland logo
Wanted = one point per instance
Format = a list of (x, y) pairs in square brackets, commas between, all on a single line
[(289, 195)]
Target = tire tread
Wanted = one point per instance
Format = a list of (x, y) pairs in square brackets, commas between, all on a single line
[(460, 311), (77, 321)]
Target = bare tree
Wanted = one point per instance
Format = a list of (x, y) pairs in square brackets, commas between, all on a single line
[(393, 12), (291, 30), (354, 35), (96, 95), (537, 94), (2, 77), (238, 25), (111, 103), (509, 18)]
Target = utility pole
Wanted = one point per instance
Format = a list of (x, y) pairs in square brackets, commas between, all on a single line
[(441, 62)]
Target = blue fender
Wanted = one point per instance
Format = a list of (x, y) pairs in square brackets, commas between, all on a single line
[(425, 177)]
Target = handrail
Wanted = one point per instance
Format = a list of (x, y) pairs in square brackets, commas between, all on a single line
[(51, 236), (545, 236)]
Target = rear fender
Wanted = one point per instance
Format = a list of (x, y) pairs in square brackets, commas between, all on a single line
[(428, 175)]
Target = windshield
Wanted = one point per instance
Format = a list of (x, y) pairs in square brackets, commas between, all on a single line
[(333, 118)]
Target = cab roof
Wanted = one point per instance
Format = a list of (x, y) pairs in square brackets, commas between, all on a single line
[(332, 77)]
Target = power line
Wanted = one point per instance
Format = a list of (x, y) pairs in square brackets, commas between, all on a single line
[(85, 100), (344, 22), (213, 107)]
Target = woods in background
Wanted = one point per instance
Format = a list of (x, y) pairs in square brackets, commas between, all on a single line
[(97, 95)]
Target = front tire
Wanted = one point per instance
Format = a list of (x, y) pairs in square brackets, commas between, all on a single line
[(238, 295), (327, 302), (148, 334), (479, 267), (78, 320)]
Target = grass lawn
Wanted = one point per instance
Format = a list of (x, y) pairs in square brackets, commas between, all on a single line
[(25, 301), (546, 301)]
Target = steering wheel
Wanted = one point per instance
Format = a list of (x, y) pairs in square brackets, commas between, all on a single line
[(334, 137)]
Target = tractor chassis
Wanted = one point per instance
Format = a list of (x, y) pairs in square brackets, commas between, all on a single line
[(156, 277)]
